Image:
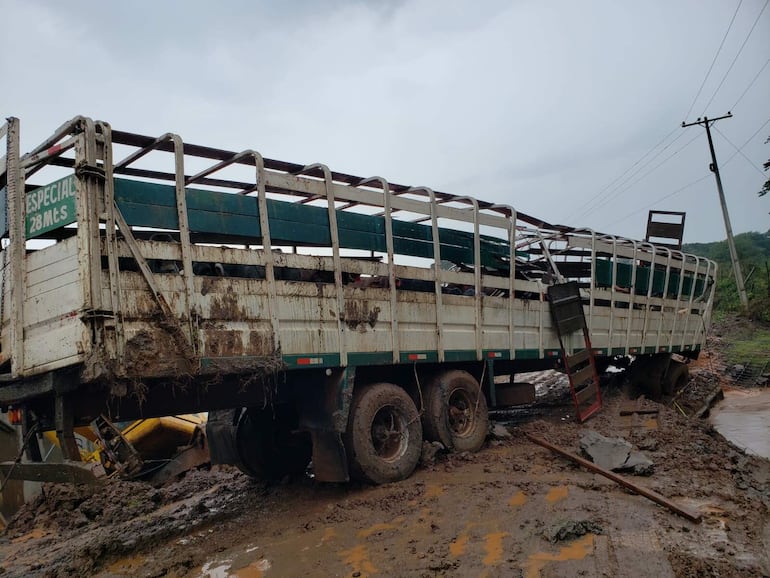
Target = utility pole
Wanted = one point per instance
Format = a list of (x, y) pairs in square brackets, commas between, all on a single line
[(714, 168)]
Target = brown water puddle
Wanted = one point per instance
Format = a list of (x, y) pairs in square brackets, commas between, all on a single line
[(743, 417)]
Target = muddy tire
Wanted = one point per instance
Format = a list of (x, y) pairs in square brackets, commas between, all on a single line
[(384, 435), (676, 377), (455, 412), (268, 446)]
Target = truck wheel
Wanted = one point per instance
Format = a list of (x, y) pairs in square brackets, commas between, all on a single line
[(267, 445), (676, 377), (384, 435), (456, 412)]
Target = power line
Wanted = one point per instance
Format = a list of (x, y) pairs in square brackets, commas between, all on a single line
[(736, 56), (622, 187), (599, 199), (663, 198), (695, 182), (708, 72), (621, 175), (740, 98), (740, 151)]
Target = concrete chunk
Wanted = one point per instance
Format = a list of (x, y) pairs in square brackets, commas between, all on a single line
[(614, 454)]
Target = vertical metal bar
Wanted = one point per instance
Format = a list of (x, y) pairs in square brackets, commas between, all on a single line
[(437, 272), (82, 209), (632, 297), (264, 225), (678, 299), (664, 298), (267, 247), (184, 237), (648, 304), (611, 330), (689, 303), (477, 277), (511, 216), (16, 247), (111, 243), (64, 419), (335, 239), (92, 201), (387, 210)]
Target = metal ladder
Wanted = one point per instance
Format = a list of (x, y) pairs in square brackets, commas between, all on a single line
[(568, 317)]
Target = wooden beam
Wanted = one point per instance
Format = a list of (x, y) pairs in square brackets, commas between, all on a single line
[(649, 494)]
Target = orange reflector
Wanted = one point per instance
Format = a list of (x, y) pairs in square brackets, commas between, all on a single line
[(14, 416)]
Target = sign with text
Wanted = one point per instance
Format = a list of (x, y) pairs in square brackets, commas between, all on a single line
[(51, 207)]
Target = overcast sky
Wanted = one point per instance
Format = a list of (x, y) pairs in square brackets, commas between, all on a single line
[(548, 106)]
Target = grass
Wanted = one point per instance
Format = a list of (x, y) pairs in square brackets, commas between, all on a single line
[(753, 346)]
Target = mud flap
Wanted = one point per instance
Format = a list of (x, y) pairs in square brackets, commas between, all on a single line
[(220, 435), (324, 413), (330, 463)]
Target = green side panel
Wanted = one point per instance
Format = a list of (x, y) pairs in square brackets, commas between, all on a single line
[(658, 281), (370, 358), (312, 360), (527, 354), (50, 207), (642, 280), (419, 356), (460, 355), (623, 275), (604, 272), (663, 349), (649, 350), (153, 205), (673, 285), (618, 351), (496, 354)]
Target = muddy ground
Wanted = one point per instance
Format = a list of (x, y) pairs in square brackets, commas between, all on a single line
[(513, 509)]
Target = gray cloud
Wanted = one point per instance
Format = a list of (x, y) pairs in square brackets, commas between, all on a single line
[(539, 105)]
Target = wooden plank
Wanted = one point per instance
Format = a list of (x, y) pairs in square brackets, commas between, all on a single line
[(585, 394), (649, 494), (581, 376), (578, 358)]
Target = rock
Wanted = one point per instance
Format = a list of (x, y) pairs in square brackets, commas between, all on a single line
[(571, 529), (615, 454), (500, 432), (640, 464), (429, 451)]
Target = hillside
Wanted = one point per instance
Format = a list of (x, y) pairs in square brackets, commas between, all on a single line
[(754, 254)]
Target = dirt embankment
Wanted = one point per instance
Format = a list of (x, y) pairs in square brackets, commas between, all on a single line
[(513, 509)]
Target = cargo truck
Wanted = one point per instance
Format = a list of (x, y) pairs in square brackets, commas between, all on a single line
[(315, 315)]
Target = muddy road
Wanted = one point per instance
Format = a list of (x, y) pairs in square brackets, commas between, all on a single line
[(513, 509)]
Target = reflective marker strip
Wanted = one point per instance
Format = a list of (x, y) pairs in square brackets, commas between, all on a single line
[(494, 354), (310, 361), (417, 356)]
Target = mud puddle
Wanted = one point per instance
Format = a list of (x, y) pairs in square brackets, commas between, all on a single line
[(743, 417)]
